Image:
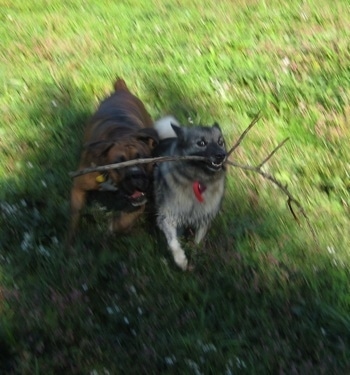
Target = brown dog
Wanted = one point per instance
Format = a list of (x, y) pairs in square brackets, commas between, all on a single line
[(120, 130)]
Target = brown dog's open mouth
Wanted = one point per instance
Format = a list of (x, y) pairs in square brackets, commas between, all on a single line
[(137, 198)]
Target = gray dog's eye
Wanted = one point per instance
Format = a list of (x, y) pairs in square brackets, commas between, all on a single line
[(220, 142), (202, 143)]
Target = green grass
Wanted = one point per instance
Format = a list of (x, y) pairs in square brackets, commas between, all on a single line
[(264, 298)]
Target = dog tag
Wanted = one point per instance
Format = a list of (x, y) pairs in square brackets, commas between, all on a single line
[(100, 178)]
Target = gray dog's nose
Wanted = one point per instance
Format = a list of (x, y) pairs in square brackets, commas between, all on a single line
[(219, 157)]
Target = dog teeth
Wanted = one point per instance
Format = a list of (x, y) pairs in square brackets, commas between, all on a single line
[(138, 198)]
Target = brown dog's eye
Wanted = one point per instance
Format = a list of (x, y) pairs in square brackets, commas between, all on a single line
[(120, 159)]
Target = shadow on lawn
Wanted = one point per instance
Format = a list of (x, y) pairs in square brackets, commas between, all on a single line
[(34, 207), (38, 194), (127, 310)]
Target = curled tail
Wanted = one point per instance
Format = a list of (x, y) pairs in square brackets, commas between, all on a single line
[(164, 127)]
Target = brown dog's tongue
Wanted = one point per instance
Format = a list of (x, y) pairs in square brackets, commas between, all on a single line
[(136, 194)]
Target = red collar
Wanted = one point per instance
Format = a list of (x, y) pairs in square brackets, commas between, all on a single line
[(198, 190)]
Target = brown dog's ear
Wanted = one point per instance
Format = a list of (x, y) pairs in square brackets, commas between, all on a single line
[(98, 149), (149, 136), (120, 84)]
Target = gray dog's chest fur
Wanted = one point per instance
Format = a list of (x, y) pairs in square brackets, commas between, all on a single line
[(176, 199)]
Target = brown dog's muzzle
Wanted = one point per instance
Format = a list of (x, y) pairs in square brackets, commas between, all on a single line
[(135, 185)]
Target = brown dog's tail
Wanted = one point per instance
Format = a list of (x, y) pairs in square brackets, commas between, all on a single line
[(120, 85)]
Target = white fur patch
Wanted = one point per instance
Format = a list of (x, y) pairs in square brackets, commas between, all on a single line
[(163, 127)]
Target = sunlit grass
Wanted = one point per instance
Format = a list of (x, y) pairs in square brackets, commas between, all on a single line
[(264, 297)]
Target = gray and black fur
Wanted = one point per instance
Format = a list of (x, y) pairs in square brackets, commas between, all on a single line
[(177, 205)]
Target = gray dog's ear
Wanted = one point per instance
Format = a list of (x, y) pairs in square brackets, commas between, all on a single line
[(179, 131), (216, 125), (149, 136)]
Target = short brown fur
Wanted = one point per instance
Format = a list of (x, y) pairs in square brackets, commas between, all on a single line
[(121, 129)]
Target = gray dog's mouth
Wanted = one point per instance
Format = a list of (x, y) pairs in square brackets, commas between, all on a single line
[(137, 198), (215, 165)]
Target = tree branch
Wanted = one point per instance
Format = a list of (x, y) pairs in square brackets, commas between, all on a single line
[(272, 153), (291, 200), (129, 163), (240, 139), (257, 169)]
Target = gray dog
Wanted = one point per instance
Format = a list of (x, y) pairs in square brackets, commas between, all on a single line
[(188, 193)]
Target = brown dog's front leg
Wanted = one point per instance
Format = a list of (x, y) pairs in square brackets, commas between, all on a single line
[(78, 199), (81, 186), (125, 221)]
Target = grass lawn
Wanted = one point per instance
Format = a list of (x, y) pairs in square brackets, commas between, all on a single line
[(265, 297)]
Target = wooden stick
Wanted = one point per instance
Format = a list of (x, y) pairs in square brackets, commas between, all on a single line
[(272, 153), (290, 202), (129, 163), (240, 139)]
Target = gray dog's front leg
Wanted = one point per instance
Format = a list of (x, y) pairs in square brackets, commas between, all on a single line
[(200, 233), (170, 231)]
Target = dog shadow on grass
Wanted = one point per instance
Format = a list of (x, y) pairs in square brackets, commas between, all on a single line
[(34, 201), (34, 205)]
